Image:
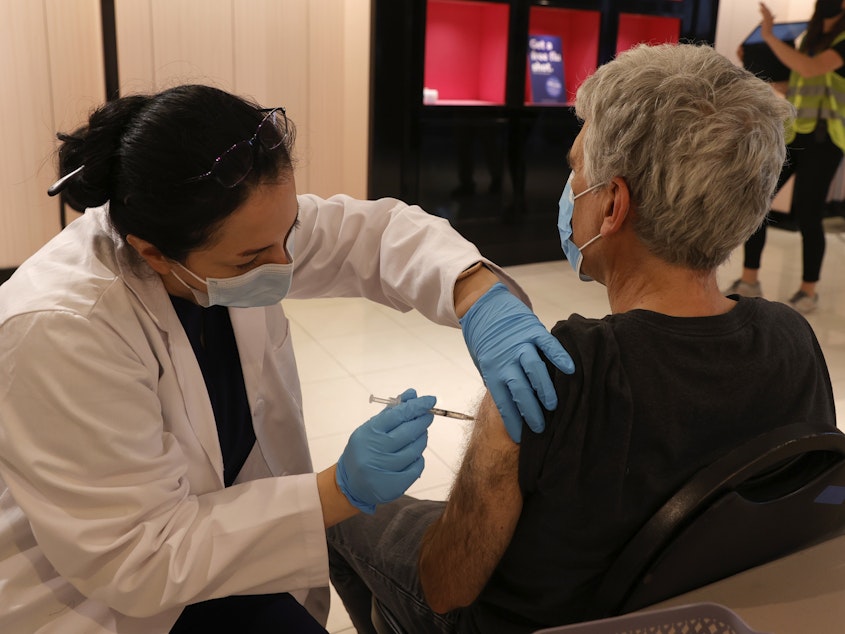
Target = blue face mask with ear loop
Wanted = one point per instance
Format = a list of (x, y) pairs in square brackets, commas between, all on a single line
[(262, 286), (564, 226)]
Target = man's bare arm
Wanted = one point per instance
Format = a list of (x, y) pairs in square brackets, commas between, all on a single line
[(461, 549)]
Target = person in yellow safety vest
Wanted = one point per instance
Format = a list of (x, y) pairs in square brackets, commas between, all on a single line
[(815, 144)]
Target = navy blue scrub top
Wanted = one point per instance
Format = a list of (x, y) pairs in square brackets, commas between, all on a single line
[(213, 340)]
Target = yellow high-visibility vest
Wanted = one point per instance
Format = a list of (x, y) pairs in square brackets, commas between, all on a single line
[(815, 98)]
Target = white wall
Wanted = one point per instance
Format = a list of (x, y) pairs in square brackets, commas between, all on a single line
[(737, 18)]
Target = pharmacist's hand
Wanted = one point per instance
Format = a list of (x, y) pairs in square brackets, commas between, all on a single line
[(505, 340), (384, 455)]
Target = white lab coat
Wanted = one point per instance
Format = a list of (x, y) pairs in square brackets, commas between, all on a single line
[(113, 513)]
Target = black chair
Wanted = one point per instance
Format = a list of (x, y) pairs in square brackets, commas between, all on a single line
[(779, 493)]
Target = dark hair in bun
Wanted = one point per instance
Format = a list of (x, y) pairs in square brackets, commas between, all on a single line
[(141, 153)]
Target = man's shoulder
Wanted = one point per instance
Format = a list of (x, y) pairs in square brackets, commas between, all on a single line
[(576, 323), (586, 332), (747, 309), (774, 317)]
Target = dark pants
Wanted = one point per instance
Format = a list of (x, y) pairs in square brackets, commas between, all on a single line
[(248, 614), (814, 159), (377, 555)]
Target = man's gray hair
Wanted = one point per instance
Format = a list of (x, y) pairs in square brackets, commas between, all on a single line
[(699, 141)]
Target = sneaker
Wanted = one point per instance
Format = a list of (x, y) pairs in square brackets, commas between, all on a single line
[(803, 303), (745, 289)]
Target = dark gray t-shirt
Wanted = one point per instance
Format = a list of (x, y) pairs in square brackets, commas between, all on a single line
[(653, 399)]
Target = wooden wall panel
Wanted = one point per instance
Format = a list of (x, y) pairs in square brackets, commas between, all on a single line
[(327, 97), (192, 42), (310, 56), (356, 102), (271, 63), (135, 54), (47, 49), (77, 75), (26, 127)]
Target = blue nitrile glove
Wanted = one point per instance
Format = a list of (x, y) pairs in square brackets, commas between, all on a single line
[(384, 455), (505, 340)]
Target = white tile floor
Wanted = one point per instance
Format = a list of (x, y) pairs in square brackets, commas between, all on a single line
[(348, 349)]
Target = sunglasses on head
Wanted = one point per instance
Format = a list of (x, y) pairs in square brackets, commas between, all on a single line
[(233, 166)]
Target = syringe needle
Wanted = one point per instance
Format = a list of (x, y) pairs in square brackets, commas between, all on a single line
[(449, 414), (393, 402)]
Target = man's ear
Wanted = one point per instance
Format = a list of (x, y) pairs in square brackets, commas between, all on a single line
[(619, 209), (152, 256)]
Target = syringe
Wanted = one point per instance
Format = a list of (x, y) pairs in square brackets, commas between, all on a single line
[(394, 401)]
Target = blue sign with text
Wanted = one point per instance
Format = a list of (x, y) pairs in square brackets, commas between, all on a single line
[(545, 67)]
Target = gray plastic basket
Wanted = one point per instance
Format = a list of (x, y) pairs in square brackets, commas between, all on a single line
[(696, 618)]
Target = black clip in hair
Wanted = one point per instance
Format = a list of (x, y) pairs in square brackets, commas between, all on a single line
[(60, 184)]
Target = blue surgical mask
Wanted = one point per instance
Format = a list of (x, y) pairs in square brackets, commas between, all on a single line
[(564, 227), (262, 286)]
